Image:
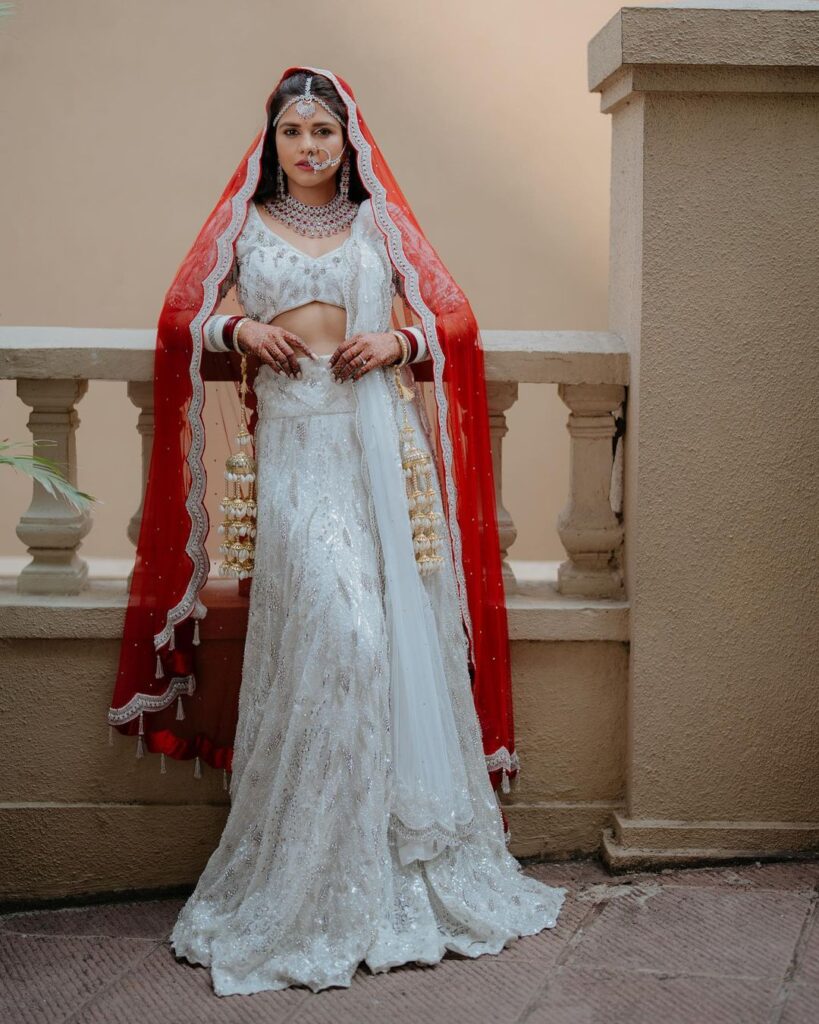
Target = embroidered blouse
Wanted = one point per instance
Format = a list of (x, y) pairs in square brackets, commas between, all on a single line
[(271, 276)]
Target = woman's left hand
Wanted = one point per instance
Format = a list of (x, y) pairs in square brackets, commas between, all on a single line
[(364, 352)]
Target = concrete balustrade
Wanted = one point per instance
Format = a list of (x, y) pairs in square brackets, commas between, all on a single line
[(594, 362)]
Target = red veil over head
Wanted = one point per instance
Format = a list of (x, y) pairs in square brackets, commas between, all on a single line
[(163, 657)]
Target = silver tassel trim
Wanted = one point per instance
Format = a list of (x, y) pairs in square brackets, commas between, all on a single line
[(140, 745), (162, 769), (505, 781), (180, 711), (159, 672), (196, 633), (197, 769), (172, 642)]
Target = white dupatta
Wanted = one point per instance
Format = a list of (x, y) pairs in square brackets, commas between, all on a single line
[(430, 802)]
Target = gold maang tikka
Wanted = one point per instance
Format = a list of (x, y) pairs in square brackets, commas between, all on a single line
[(418, 474), (239, 504)]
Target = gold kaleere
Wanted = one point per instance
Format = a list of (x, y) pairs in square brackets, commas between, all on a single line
[(239, 504), (418, 474)]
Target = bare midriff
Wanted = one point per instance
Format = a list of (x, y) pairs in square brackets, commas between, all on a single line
[(320, 325)]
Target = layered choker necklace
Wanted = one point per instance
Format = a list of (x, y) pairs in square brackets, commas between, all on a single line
[(314, 221)]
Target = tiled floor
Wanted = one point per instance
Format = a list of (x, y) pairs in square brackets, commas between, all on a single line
[(727, 945)]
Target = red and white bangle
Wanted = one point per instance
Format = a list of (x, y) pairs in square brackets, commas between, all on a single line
[(218, 332), (213, 333), (417, 343)]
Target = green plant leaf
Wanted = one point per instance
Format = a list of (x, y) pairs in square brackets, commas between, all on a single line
[(47, 473)]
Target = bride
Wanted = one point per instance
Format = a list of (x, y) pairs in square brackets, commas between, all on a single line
[(373, 713)]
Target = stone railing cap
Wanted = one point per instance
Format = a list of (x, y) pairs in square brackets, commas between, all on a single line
[(97, 353)]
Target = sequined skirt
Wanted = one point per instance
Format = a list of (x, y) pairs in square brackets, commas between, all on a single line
[(305, 884)]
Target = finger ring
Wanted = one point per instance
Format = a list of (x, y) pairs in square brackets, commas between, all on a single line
[(361, 362)]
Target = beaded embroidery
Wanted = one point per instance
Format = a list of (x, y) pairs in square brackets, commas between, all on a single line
[(275, 276)]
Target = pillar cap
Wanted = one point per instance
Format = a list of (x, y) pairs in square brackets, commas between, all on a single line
[(705, 34)]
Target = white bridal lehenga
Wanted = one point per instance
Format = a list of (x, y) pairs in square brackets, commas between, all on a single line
[(307, 882)]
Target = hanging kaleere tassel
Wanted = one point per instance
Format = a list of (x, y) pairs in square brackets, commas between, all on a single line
[(239, 504), (197, 769), (418, 472)]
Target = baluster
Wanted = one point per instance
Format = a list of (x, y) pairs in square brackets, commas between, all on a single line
[(141, 393), (588, 527), (501, 396), (50, 528)]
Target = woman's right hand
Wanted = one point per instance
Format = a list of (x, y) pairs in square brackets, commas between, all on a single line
[(272, 345)]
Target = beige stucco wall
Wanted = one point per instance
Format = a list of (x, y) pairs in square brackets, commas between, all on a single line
[(123, 122)]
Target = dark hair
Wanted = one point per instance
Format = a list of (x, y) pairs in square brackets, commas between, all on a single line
[(294, 86)]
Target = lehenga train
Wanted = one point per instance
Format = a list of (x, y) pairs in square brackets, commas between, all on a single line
[(306, 883)]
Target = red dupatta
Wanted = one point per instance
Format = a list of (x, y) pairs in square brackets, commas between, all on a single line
[(162, 652)]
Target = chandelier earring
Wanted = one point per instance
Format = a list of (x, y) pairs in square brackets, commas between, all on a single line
[(280, 186), (344, 184)]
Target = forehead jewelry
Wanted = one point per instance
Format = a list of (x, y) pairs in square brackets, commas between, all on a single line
[(306, 105), (306, 108)]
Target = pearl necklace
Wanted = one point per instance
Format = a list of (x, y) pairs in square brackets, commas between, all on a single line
[(313, 220)]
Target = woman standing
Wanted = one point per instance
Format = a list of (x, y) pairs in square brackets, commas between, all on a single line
[(374, 698)]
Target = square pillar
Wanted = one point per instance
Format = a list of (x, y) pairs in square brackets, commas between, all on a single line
[(715, 289)]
